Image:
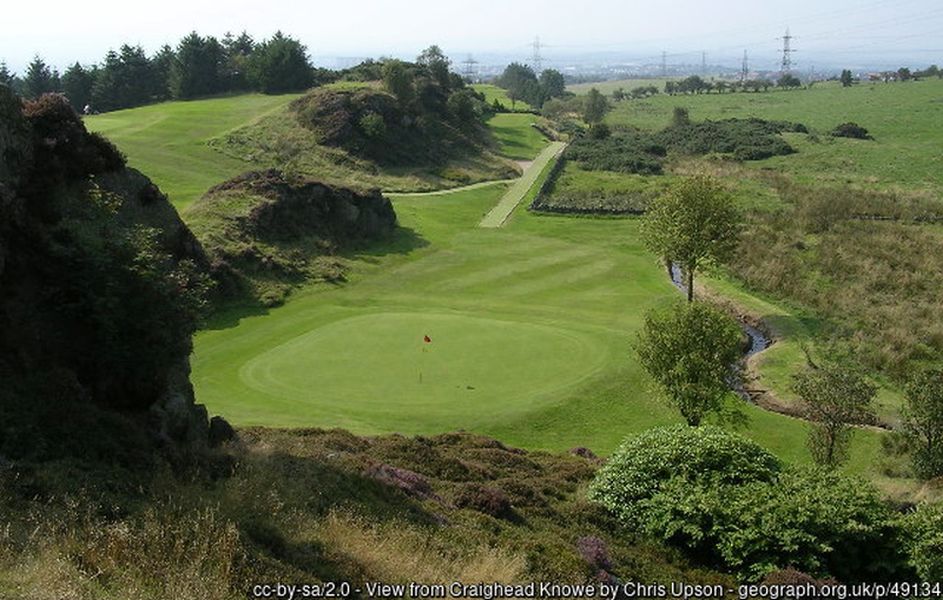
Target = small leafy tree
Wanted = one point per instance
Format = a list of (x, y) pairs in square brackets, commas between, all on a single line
[(399, 81), (596, 107), (846, 78), (789, 81), (688, 349), (835, 397), (695, 223), (923, 421), (552, 84)]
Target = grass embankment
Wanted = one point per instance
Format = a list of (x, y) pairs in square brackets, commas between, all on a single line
[(169, 142), (493, 92), (187, 147)]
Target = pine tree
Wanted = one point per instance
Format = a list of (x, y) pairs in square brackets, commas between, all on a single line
[(39, 79)]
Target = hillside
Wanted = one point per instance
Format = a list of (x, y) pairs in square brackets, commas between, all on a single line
[(267, 233), (323, 135)]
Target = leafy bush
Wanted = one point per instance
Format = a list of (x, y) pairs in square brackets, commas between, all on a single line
[(851, 130), (745, 139), (636, 151), (923, 541), (625, 151), (644, 464), (820, 522)]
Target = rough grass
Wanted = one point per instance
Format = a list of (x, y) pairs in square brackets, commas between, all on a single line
[(905, 119), (301, 507)]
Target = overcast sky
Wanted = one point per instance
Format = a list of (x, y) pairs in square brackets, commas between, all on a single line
[(829, 31)]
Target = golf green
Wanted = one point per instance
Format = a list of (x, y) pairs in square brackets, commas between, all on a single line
[(378, 370)]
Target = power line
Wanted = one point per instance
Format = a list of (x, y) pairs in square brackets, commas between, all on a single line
[(745, 68), (536, 59), (664, 64), (703, 63), (470, 68), (787, 52)]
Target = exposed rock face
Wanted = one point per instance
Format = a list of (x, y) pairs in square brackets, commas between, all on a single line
[(101, 283), (291, 208), (266, 232)]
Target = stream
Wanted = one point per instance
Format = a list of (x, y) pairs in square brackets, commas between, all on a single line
[(758, 340)]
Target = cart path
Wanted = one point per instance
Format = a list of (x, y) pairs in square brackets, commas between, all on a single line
[(509, 201)]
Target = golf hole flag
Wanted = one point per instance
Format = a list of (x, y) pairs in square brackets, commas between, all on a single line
[(427, 339)]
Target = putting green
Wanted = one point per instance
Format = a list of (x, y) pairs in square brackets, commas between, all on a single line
[(378, 371)]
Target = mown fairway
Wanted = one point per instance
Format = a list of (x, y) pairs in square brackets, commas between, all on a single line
[(531, 326)]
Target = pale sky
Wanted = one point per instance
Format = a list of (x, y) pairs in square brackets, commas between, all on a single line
[(828, 31)]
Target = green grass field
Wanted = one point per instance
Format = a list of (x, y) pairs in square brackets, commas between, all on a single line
[(517, 138), (607, 87), (531, 323), (169, 141), (905, 119), (493, 92), (531, 327)]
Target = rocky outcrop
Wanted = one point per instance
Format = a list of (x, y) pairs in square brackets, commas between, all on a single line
[(101, 286)]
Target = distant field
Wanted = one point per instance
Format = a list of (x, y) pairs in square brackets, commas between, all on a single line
[(607, 87), (905, 119), (493, 92), (169, 141)]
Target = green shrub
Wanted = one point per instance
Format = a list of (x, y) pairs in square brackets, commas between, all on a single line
[(820, 522), (373, 126), (644, 464), (851, 130), (923, 541)]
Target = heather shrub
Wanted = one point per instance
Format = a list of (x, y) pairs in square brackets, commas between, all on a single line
[(487, 500), (644, 464)]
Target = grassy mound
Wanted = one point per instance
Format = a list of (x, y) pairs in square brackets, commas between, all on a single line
[(360, 137), (271, 232)]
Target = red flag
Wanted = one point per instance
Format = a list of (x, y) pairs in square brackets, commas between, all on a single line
[(427, 339)]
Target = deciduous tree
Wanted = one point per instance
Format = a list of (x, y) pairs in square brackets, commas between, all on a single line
[(834, 398), (694, 223), (689, 349), (923, 421)]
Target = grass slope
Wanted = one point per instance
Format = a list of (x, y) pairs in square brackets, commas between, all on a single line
[(187, 147), (493, 92), (170, 141)]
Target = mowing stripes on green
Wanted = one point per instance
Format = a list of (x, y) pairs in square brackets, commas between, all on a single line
[(500, 213), (376, 369)]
